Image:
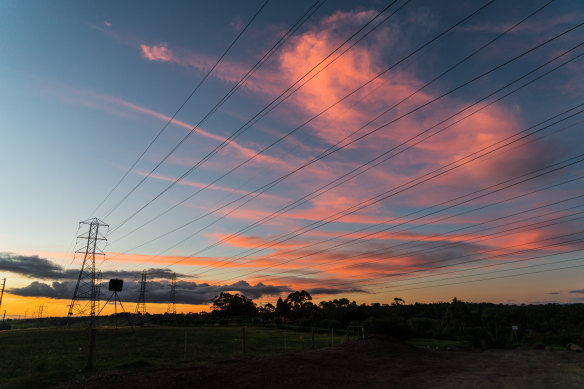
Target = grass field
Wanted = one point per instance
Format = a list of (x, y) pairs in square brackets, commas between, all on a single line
[(437, 344), (44, 357)]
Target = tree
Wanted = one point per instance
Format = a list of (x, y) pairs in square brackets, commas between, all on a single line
[(282, 309), (267, 311), (457, 318), (296, 300), (298, 304), (234, 305)]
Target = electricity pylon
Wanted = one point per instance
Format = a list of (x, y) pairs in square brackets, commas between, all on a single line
[(2, 294), (85, 294), (172, 304), (141, 305)]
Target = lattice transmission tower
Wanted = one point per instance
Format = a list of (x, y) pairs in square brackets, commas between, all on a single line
[(172, 304), (2, 294), (86, 290), (141, 305)]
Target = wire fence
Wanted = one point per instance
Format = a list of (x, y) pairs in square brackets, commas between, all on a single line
[(68, 349)]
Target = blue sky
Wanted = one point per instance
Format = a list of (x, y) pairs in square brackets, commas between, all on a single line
[(86, 87)]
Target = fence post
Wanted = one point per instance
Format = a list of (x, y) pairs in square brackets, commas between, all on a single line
[(313, 338), (91, 348), (243, 339), (332, 337)]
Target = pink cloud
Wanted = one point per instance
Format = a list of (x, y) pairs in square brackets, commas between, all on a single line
[(157, 53), (227, 71), (113, 105), (107, 24), (353, 69), (194, 184)]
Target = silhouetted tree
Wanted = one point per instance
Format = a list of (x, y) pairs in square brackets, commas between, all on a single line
[(234, 305)]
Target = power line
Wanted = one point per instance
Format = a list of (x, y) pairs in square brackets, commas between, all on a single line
[(339, 101), (336, 183), (238, 132), (490, 278), (444, 218), (271, 184), (181, 106), (419, 242), (358, 240), (567, 163), (297, 202), (257, 118), (436, 170), (552, 222)]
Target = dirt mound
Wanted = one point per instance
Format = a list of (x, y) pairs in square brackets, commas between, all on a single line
[(376, 362)]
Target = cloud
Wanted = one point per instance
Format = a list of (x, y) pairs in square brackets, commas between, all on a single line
[(578, 291), (237, 24), (34, 267), (333, 291), (107, 24), (157, 53), (56, 290), (226, 71), (41, 268), (187, 292)]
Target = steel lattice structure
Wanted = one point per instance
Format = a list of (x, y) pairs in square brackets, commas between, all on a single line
[(84, 299), (141, 305), (172, 304)]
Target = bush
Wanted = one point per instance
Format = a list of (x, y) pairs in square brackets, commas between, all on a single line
[(424, 327), (334, 324), (393, 326)]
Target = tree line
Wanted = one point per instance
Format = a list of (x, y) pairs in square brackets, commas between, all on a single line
[(485, 325)]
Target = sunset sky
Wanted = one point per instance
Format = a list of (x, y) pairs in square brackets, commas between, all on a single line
[(376, 149)]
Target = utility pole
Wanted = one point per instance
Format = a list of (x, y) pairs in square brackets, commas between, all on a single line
[(85, 294), (172, 304), (141, 305)]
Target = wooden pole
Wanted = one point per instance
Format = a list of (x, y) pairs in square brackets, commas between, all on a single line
[(243, 339), (313, 338)]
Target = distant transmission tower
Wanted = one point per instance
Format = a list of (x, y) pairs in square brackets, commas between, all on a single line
[(141, 306), (172, 304), (2, 294), (85, 294), (98, 280)]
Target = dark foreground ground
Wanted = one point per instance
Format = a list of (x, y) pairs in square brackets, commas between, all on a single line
[(376, 362)]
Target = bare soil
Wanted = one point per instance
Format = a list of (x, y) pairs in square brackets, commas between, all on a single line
[(376, 362)]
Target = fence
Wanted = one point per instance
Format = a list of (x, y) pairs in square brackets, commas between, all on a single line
[(68, 348)]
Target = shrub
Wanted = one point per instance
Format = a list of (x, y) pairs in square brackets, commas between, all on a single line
[(394, 326)]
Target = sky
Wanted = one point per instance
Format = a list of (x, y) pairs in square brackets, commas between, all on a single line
[(370, 150)]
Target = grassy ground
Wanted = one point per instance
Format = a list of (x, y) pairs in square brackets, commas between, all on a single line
[(43, 357), (436, 344)]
